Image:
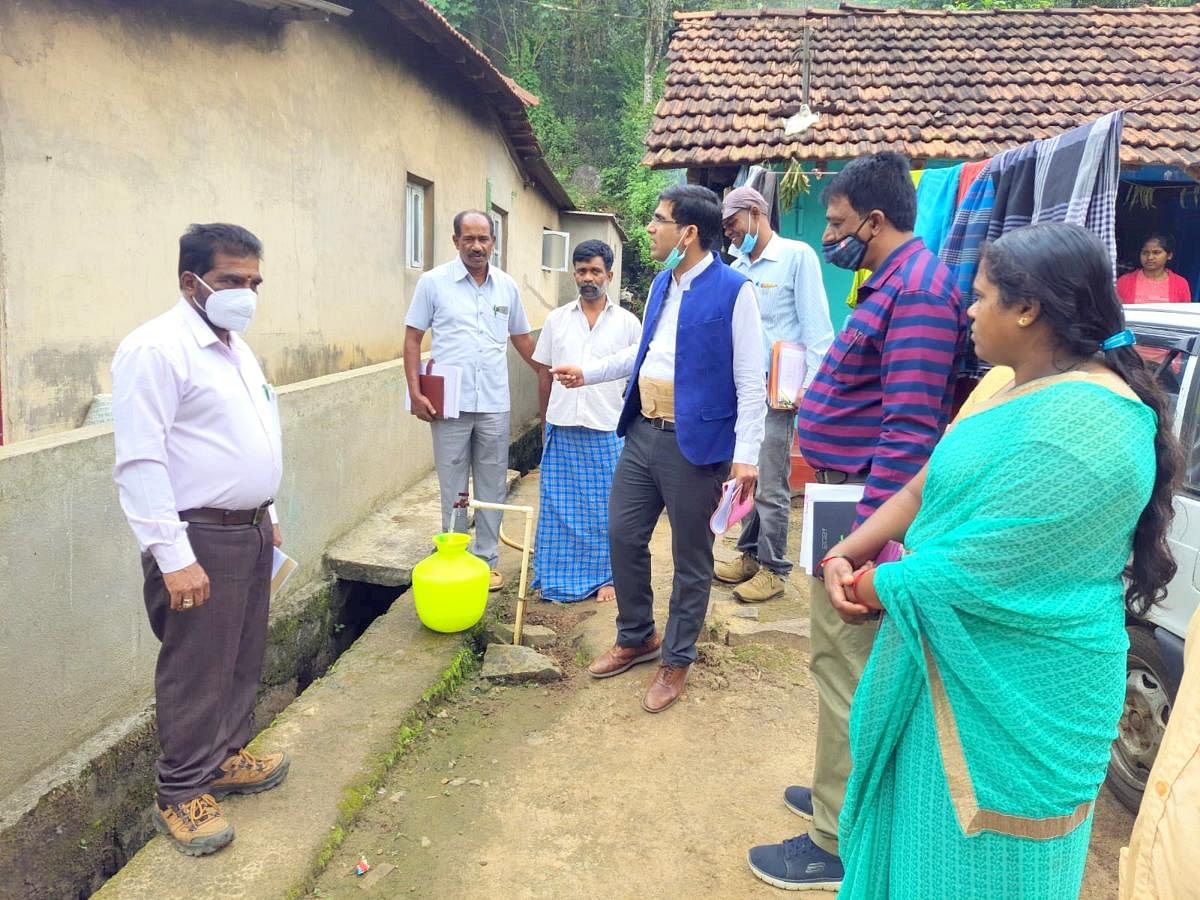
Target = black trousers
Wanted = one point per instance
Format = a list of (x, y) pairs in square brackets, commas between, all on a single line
[(652, 474), (211, 658)]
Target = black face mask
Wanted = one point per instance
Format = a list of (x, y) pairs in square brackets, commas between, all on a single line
[(847, 252)]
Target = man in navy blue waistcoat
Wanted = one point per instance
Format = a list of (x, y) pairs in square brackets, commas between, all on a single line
[(692, 417)]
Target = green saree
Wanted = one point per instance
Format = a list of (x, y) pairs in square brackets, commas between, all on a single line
[(981, 728)]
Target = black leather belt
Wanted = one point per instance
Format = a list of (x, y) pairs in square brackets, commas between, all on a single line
[(837, 476), (208, 516), (660, 424)]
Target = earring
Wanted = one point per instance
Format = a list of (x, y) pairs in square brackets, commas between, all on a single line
[(1023, 321)]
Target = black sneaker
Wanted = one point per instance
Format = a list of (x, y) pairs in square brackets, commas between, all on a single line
[(797, 865), (799, 800)]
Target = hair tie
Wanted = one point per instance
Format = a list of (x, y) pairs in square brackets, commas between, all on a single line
[(1120, 339)]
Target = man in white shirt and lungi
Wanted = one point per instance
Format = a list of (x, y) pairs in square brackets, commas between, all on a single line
[(198, 462), (581, 448)]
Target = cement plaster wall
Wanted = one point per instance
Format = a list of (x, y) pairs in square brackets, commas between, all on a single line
[(582, 227), (121, 123), (76, 654)]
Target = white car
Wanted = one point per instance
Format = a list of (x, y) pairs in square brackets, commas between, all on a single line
[(1168, 337)]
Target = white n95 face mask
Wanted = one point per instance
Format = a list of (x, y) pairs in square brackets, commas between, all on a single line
[(232, 308)]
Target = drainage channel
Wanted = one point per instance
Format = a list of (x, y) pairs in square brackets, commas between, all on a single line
[(81, 835)]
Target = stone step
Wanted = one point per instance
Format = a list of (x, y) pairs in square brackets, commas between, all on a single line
[(385, 546), (341, 734)]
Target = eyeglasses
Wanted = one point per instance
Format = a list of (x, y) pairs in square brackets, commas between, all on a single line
[(656, 219)]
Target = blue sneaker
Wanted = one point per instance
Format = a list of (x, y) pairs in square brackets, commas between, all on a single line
[(799, 800), (797, 865)]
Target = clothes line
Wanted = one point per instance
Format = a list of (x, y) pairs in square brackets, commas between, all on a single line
[(1129, 107)]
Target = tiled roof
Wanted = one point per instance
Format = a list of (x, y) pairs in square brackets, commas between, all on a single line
[(508, 99), (931, 84)]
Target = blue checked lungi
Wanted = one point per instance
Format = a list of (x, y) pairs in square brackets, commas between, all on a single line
[(571, 561)]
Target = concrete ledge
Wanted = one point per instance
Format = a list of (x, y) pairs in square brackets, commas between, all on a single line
[(384, 548), (342, 734), (87, 815)]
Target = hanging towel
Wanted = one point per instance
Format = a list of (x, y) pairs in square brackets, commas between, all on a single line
[(966, 178), (937, 194), (969, 229)]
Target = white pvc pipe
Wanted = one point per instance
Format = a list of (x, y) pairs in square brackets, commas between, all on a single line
[(528, 511)]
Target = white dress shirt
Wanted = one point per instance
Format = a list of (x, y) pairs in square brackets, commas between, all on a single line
[(747, 359), (568, 339), (196, 425), (471, 325)]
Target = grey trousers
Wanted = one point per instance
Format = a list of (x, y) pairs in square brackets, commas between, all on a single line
[(475, 445), (765, 532), (652, 474), (211, 658)]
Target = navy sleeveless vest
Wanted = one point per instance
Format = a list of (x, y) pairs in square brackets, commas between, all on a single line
[(705, 393)]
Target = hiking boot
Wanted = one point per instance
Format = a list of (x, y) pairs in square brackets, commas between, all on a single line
[(737, 571), (618, 659), (797, 865), (765, 585), (246, 774), (496, 581), (195, 827), (799, 800)]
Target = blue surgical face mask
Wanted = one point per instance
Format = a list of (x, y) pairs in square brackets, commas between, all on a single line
[(675, 257), (846, 252), (750, 241)]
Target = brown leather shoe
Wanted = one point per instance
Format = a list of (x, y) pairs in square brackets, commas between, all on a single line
[(665, 688), (618, 659)]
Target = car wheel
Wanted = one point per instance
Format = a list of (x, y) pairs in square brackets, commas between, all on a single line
[(1143, 720)]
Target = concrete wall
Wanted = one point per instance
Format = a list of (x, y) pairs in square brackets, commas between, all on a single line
[(123, 122), (76, 653), (583, 226)]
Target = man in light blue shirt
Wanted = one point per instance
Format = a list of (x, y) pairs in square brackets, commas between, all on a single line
[(791, 301), (474, 310)]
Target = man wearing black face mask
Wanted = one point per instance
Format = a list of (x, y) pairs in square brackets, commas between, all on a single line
[(871, 416), (198, 463), (581, 447)]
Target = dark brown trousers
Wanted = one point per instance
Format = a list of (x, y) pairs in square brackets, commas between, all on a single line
[(211, 658)]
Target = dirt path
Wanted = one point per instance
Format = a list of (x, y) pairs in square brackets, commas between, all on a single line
[(574, 791)]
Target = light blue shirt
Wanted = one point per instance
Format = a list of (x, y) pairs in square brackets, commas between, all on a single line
[(791, 299), (471, 325)]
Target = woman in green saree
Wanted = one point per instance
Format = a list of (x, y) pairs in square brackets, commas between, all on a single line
[(980, 730)]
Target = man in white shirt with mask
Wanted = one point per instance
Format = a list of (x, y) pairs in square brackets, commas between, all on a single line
[(198, 462), (791, 300)]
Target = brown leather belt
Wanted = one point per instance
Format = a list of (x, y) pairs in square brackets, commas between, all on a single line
[(208, 516), (660, 424)]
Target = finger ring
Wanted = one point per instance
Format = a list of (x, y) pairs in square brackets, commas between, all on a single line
[(187, 603)]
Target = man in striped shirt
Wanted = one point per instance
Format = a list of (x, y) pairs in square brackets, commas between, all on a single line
[(871, 416)]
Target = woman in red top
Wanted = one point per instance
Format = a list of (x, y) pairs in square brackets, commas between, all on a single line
[(1154, 282)]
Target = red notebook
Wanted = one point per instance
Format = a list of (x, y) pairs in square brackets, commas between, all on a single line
[(434, 388)]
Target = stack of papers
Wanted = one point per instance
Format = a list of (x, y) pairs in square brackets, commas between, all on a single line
[(730, 510), (282, 567), (829, 514), (786, 381), (452, 388)]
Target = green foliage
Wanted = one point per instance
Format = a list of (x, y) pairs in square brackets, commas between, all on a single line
[(585, 60), (457, 12)]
